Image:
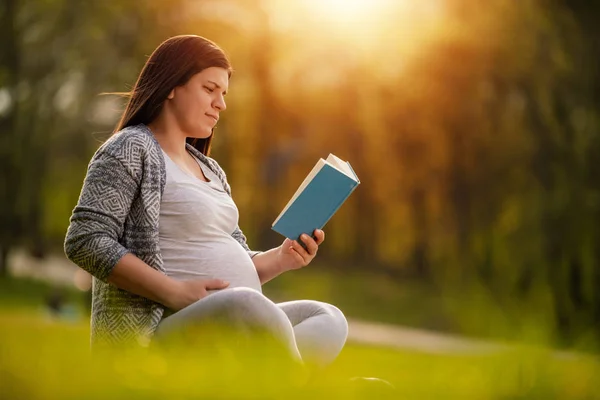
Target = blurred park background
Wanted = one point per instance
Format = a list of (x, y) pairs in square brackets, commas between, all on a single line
[(472, 126)]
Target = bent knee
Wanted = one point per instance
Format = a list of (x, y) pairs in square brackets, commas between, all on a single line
[(245, 303), (242, 296), (338, 319)]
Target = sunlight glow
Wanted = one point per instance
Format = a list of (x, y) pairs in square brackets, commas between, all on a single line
[(357, 23), (346, 35), (347, 11)]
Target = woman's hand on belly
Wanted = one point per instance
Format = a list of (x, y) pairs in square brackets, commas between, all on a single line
[(184, 293)]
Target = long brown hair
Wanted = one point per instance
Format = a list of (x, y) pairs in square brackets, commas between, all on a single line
[(172, 64)]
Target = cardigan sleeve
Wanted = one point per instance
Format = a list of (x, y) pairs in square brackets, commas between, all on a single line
[(92, 240), (239, 236)]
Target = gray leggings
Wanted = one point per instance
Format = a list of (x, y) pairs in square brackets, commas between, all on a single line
[(311, 331)]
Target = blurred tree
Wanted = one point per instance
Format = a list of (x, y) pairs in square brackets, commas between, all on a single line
[(585, 276), (57, 57), (9, 78)]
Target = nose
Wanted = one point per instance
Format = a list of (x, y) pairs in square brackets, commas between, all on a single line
[(219, 104)]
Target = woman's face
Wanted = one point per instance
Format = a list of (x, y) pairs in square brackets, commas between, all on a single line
[(197, 104)]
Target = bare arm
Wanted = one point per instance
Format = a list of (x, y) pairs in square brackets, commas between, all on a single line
[(289, 256), (135, 276), (267, 265)]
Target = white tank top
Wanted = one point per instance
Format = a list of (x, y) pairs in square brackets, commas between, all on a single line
[(197, 219)]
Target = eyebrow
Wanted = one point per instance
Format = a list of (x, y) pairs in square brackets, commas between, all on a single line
[(217, 85)]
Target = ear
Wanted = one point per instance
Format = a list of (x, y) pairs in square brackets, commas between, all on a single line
[(171, 94)]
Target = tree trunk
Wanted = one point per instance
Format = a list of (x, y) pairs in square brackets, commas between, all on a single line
[(9, 183), (420, 250), (3, 261)]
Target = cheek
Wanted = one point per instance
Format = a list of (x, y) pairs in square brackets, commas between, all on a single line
[(188, 107), (183, 110), (191, 106), (202, 100), (196, 104)]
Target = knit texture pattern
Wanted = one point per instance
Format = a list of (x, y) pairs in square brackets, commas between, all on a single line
[(118, 213)]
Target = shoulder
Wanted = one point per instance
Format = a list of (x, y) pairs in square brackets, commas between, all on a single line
[(133, 147), (129, 142), (213, 165), (211, 162)]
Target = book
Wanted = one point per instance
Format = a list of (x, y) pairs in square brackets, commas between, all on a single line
[(320, 195)]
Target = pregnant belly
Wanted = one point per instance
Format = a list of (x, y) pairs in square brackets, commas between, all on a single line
[(225, 260)]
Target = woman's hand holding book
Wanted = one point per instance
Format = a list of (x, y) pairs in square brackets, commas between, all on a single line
[(292, 255)]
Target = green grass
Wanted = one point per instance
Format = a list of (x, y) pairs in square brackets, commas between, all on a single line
[(24, 293), (41, 359), (44, 358)]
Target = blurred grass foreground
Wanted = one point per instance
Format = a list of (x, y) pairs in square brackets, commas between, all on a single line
[(47, 357)]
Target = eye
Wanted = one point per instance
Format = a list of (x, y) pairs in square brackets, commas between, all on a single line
[(209, 89)]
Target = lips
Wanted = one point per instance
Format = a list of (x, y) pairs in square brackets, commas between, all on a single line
[(213, 117)]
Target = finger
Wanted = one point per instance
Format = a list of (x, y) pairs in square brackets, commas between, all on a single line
[(311, 245), (216, 284), (297, 247), (299, 259), (319, 235)]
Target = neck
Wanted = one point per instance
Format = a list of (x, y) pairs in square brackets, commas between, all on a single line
[(170, 137)]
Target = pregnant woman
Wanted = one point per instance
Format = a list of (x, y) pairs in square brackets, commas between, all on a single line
[(157, 227)]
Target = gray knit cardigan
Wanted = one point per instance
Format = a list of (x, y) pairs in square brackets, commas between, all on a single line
[(118, 213)]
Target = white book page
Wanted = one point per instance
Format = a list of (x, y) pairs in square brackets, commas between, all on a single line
[(341, 166), (305, 183)]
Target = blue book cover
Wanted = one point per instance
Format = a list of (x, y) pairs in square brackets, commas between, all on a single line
[(317, 199)]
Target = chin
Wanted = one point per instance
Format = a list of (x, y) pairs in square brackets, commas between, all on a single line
[(201, 133)]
